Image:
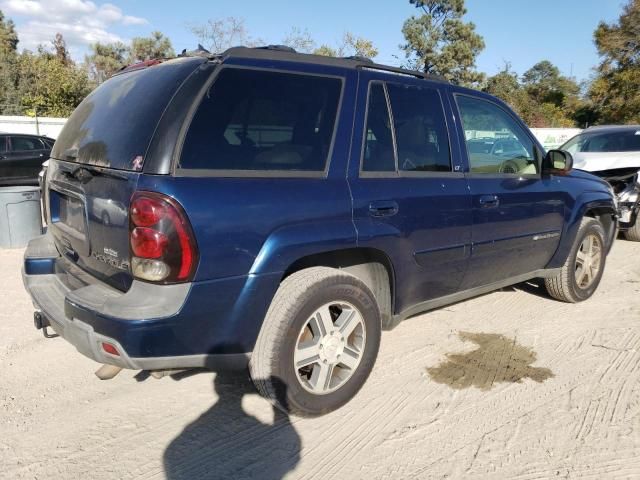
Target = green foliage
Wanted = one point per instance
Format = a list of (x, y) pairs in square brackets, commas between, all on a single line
[(542, 98), (439, 41), (148, 48), (8, 65), (107, 58), (350, 45), (545, 84), (615, 91), (49, 86)]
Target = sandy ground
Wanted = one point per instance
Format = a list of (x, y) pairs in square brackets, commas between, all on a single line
[(508, 385)]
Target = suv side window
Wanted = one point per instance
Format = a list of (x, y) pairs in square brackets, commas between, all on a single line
[(379, 155), (3, 144), (421, 131), (262, 120), (22, 144), (495, 142)]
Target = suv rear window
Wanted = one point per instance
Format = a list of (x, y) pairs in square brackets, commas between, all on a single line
[(114, 124), (256, 120)]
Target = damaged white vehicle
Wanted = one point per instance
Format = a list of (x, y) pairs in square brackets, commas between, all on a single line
[(613, 153)]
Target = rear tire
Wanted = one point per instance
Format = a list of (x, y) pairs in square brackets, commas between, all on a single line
[(334, 316), (580, 276), (633, 233)]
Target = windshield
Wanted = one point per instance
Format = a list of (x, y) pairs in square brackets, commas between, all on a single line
[(620, 141), (113, 126)]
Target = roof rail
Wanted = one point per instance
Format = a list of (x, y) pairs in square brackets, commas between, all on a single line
[(356, 61), (402, 71), (279, 48)]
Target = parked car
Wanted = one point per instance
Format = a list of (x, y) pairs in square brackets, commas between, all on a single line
[(21, 157), (283, 209), (613, 153)]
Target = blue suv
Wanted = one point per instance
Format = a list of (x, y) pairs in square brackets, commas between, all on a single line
[(277, 210)]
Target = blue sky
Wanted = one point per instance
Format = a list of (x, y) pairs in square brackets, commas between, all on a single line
[(518, 31)]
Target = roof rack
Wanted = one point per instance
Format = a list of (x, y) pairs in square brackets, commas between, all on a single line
[(356, 61)]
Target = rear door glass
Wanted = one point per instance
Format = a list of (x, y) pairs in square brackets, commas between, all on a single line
[(422, 140), (25, 144), (256, 120)]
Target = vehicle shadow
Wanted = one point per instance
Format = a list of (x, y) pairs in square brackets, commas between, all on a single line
[(534, 287), (225, 442)]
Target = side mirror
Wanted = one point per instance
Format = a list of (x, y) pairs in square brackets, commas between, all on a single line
[(558, 161)]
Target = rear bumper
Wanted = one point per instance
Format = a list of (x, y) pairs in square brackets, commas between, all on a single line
[(148, 324)]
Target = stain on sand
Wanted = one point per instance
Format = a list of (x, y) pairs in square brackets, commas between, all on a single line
[(497, 359)]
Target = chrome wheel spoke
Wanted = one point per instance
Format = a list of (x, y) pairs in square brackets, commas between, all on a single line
[(321, 377), (321, 323), (350, 358), (306, 354), (347, 322)]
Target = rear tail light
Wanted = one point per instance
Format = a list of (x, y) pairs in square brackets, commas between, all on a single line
[(163, 248)]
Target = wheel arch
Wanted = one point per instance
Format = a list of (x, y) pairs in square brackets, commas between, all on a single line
[(590, 204), (372, 266)]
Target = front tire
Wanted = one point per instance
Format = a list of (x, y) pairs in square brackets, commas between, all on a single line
[(633, 233), (318, 343), (580, 276)]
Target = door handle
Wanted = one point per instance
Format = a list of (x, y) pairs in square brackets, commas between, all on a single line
[(383, 208), (489, 201)]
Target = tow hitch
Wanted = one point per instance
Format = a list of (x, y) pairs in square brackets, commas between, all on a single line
[(41, 323)]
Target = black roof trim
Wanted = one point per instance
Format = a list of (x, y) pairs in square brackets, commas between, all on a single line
[(283, 53)]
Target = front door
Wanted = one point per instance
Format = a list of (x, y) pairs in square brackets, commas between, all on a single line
[(518, 215), (409, 200)]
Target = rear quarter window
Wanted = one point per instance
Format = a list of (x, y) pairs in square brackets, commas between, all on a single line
[(257, 120)]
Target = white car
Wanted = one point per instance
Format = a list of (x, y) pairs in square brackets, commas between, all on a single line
[(613, 153)]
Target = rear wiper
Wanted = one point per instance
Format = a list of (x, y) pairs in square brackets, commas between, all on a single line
[(70, 154)]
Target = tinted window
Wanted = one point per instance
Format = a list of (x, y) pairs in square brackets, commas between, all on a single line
[(420, 127), (378, 145), (495, 142), (626, 141), (115, 123), (3, 144), (22, 144), (260, 120)]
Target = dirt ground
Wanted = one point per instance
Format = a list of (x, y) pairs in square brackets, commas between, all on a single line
[(508, 385)]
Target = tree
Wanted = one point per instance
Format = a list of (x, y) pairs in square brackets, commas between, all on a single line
[(615, 91), (217, 35), (60, 48), (106, 59), (350, 45), (148, 48), (9, 101), (440, 42), (300, 40), (50, 86), (545, 84)]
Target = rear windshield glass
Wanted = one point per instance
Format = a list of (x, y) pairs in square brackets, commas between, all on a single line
[(113, 126), (261, 120)]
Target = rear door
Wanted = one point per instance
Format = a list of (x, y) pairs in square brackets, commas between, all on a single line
[(517, 214), (25, 157), (409, 193)]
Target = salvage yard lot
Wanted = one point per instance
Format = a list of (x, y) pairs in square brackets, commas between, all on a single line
[(511, 384)]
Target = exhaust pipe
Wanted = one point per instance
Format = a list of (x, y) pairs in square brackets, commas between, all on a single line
[(107, 372)]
